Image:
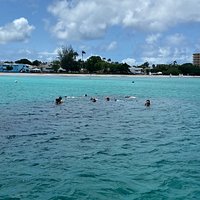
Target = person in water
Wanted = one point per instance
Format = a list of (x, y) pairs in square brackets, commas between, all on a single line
[(147, 103), (93, 99), (107, 98), (59, 100)]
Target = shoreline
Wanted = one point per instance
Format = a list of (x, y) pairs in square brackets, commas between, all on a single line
[(96, 75)]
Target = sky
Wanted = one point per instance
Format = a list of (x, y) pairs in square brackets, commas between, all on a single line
[(131, 31)]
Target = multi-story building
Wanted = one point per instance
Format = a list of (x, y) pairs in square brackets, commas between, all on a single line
[(196, 59)]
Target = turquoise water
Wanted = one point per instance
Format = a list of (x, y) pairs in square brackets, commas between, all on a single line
[(104, 150)]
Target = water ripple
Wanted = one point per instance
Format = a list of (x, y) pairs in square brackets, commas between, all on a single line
[(103, 150)]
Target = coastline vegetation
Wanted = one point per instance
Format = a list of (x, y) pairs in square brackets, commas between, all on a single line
[(67, 62)]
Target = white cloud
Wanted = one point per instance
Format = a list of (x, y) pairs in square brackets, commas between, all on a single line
[(108, 47), (24, 52), (111, 46), (166, 55), (129, 61), (18, 30), (153, 38), (48, 56), (89, 19), (30, 54), (176, 39), (164, 52), (158, 55), (159, 50)]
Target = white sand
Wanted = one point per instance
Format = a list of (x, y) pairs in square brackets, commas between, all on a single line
[(89, 75)]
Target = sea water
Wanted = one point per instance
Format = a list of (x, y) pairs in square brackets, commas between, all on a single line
[(103, 150)]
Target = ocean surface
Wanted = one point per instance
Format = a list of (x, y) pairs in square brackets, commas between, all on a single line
[(104, 150)]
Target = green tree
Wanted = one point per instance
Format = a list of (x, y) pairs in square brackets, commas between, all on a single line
[(119, 68), (160, 68), (55, 65), (24, 61), (144, 65), (92, 64), (11, 62), (67, 57), (186, 68), (36, 62), (192, 70), (175, 63), (172, 70)]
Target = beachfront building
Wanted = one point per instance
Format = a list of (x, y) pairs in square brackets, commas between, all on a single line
[(44, 67), (35, 70), (196, 59), (14, 67), (136, 70)]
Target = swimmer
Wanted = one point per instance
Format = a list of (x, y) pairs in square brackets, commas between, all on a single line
[(93, 99), (147, 103), (59, 100), (107, 98)]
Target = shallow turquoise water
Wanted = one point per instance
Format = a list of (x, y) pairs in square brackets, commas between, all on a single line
[(103, 150)]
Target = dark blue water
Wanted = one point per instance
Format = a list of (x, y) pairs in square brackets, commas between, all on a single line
[(103, 150)]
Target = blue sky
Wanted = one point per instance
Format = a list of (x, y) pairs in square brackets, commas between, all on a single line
[(132, 31)]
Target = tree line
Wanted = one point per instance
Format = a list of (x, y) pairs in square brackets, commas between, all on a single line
[(67, 62), (95, 64), (185, 69), (26, 61)]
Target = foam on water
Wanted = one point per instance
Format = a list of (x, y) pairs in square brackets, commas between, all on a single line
[(99, 150)]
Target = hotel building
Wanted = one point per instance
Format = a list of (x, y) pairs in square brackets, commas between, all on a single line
[(196, 59)]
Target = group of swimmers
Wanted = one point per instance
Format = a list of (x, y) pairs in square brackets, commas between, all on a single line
[(94, 99), (59, 100)]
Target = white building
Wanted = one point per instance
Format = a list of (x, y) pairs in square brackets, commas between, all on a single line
[(14, 67), (136, 70)]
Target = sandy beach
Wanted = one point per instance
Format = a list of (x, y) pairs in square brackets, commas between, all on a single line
[(97, 75)]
